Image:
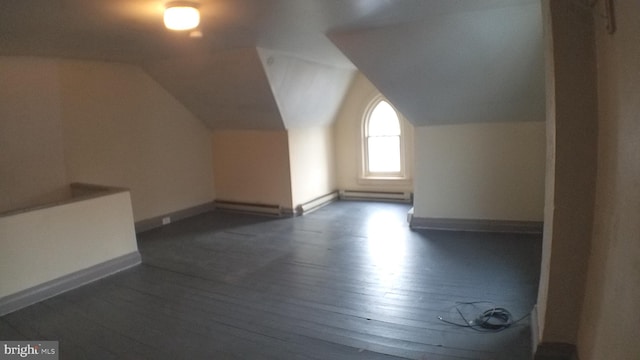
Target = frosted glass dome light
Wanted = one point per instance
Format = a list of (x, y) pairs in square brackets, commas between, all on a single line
[(179, 16)]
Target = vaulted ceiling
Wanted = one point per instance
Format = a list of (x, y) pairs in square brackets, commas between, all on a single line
[(269, 64)]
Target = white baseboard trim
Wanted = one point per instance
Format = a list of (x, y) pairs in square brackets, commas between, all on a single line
[(68, 282), (156, 221), (506, 226)]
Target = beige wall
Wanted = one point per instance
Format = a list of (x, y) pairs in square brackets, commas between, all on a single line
[(32, 167), (46, 244), (571, 168), (610, 318), (489, 171), (312, 163), (102, 123), (252, 166), (122, 129), (348, 145)]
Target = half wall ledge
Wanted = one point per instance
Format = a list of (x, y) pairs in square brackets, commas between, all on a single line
[(68, 282), (55, 247)]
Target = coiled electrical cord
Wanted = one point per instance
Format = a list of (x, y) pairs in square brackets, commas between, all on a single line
[(493, 319)]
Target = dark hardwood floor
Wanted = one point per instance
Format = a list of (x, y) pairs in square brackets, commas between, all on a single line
[(347, 281)]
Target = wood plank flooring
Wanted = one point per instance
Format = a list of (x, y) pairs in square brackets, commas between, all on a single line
[(348, 281)]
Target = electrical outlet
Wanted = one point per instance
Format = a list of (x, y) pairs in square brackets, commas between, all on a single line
[(166, 220)]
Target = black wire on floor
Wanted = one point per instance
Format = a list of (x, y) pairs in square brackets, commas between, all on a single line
[(493, 319)]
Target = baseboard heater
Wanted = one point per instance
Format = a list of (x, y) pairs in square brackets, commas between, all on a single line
[(316, 203), (266, 209), (399, 196)]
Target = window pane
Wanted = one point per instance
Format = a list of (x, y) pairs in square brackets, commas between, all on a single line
[(383, 120), (384, 154)]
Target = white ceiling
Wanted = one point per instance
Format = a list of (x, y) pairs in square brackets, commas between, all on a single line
[(132, 31), (226, 89), (475, 66)]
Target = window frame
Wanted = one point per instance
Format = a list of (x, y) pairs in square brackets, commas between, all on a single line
[(365, 174)]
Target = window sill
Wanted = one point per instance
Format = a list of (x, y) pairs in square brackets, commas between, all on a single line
[(379, 180)]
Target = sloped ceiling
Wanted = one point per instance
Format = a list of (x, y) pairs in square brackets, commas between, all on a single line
[(226, 89), (435, 55), (307, 93), (461, 67)]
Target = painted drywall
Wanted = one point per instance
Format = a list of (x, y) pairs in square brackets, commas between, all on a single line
[(45, 244), (252, 167), (122, 129), (312, 163), (32, 170), (348, 142), (610, 318), (308, 93), (549, 183), (491, 171), (469, 66), (571, 168), (102, 123)]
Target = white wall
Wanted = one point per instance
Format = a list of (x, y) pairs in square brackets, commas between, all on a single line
[(45, 244), (348, 145), (312, 163), (571, 168), (491, 171), (32, 169), (610, 318)]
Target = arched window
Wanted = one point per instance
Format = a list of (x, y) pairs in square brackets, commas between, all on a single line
[(382, 141)]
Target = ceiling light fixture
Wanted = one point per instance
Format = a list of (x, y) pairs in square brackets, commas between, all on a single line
[(181, 16)]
